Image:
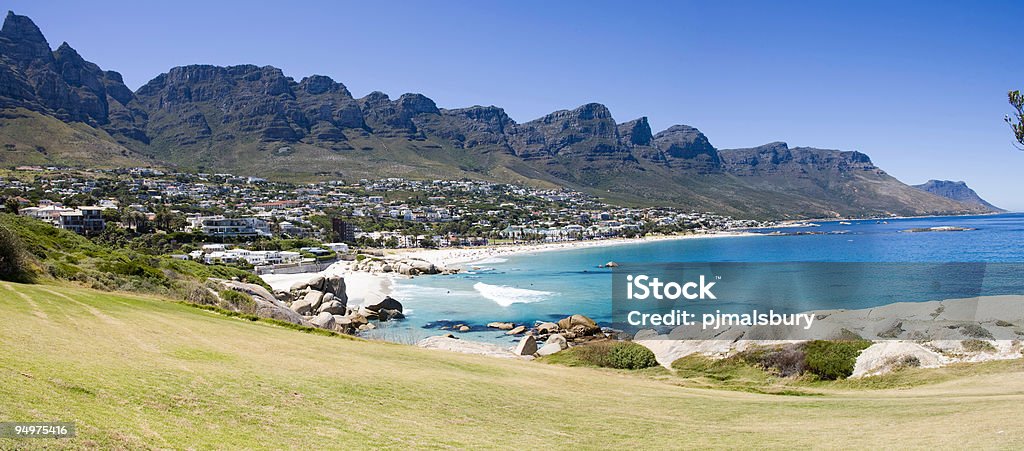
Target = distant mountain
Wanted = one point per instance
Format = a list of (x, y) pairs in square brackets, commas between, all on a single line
[(58, 108), (958, 191)]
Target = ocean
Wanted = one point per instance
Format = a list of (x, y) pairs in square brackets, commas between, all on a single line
[(547, 286)]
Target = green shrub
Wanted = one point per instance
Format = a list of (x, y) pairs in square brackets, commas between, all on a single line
[(13, 261), (784, 361), (975, 331), (630, 356), (977, 346), (607, 354), (238, 301), (831, 360)]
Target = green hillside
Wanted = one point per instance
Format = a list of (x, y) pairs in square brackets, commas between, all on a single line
[(137, 372)]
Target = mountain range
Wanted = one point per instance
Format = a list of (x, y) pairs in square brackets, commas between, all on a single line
[(58, 108)]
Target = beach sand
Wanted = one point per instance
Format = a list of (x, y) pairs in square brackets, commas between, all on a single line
[(456, 256)]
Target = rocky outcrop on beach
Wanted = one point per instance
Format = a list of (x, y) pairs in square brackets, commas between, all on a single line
[(324, 303), (406, 266), (266, 305)]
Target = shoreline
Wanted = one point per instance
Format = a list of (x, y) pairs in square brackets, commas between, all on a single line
[(456, 256), (362, 285)]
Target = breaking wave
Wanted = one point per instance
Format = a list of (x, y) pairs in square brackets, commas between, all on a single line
[(506, 296)]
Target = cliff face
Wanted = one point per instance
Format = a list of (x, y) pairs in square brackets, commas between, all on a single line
[(60, 83), (958, 191), (255, 120)]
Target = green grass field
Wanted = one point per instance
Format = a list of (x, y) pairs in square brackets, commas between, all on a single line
[(135, 372)]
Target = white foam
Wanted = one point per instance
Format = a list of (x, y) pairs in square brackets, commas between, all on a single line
[(490, 261), (506, 295)]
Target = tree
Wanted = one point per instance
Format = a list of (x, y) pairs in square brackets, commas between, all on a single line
[(12, 205), (1017, 121)]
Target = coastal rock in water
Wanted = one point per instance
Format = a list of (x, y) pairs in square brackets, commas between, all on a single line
[(526, 346), (547, 328), (579, 325), (464, 328), (501, 326), (388, 303), (388, 315), (516, 330), (323, 320)]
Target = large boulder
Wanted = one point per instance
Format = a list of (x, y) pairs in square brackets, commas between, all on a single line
[(267, 306), (579, 325), (246, 288), (548, 349), (388, 303), (388, 314), (556, 339), (526, 346), (323, 320), (334, 307), (547, 328), (317, 283), (315, 298), (304, 306), (516, 330), (336, 286)]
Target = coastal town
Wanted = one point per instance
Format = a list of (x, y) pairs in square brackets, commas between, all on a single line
[(259, 224)]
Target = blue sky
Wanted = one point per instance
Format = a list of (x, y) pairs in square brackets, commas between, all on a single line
[(918, 86)]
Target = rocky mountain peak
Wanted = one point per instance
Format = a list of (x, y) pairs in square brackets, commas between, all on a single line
[(321, 84), (22, 41), (636, 132), (413, 104), (686, 148)]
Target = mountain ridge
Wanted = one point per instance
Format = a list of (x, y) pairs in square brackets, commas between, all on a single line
[(255, 120), (956, 190)]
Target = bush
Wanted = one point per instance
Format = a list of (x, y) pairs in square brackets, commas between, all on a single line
[(630, 356), (13, 261), (975, 331), (607, 354), (831, 360), (238, 301), (784, 361), (977, 346)]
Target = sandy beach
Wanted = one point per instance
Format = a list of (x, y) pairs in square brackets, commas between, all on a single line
[(456, 256)]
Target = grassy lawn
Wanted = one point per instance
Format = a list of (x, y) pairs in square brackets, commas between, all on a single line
[(136, 372)]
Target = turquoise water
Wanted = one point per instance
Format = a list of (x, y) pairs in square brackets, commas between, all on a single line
[(550, 285)]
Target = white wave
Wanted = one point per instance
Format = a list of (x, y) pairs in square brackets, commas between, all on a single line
[(490, 261), (506, 296), (410, 291)]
